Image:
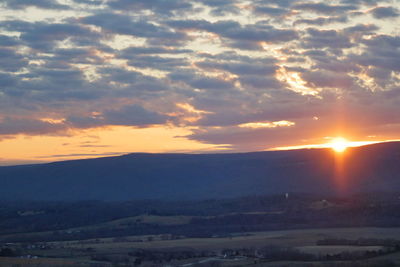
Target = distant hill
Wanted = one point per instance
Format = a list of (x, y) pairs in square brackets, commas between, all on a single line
[(372, 168)]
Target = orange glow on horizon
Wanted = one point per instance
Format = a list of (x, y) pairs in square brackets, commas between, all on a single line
[(100, 142), (339, 144), (331, 143)]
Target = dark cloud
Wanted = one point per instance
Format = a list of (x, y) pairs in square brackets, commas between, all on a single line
[(133, 84), (361, 2), (131, 115), (280, 3), (262, 67), (326, 38), (321, 79), (45, 4), (361, 28), (8, 41), (124, 24), (324, 8), (42, 35), (11, 126), (385, 12), (241, 139), (322, 20), (210, 83), (46, 86), (11, 61), (156, 62), (157, 6), (260, 82), (59, 79), (383, 42), (235, 32), (153, 57), (140, 50), (221, 7), (134, 115), (270, 11), (66, 58), (90, 2), (382, 51), (6, 80)]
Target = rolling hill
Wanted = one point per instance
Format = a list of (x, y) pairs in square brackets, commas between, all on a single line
[(369, 168)]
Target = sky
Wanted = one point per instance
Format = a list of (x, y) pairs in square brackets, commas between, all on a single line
[(91, 78)]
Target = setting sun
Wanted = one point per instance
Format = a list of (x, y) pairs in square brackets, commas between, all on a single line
[(339, 144)]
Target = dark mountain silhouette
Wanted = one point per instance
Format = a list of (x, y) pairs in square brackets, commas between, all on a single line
[(372, 168)]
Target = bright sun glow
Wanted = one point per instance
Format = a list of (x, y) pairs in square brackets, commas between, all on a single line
[(339, 144)]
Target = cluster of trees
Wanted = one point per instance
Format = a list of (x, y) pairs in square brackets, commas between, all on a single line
[(154, 256), (7, 252), (393, 243), (167, 256)]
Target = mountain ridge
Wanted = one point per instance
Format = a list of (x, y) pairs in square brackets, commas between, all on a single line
[(180, 176)]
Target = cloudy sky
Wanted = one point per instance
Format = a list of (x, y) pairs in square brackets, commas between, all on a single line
[(83, 78)]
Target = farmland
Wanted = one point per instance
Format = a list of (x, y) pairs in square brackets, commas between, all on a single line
[(256, 231), (125, 250)]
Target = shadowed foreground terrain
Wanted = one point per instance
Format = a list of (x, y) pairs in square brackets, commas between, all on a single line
[(299, 229)]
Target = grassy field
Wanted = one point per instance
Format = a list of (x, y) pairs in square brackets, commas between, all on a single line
[(148, 219), (293, 238), (324, 250)]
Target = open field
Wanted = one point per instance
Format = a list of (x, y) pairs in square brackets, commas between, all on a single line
[(317, 250), (304, 237)]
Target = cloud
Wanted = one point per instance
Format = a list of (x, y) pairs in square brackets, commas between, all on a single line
[(323, 8), (89, 2), (11, 61), (122, 24), (152, 50), (43, 35), (130, 83), (261, 67), (7, 80), (363, 2), (45, 4), (156, 62), (382, 51), (237, 33), (322, 20), (133, 115), (326, 38), (8, 41), (130, 115), (112, 23), (385, 12), (328, 79), (12, 126), (270, 11), (221, 7), (157, 6)]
